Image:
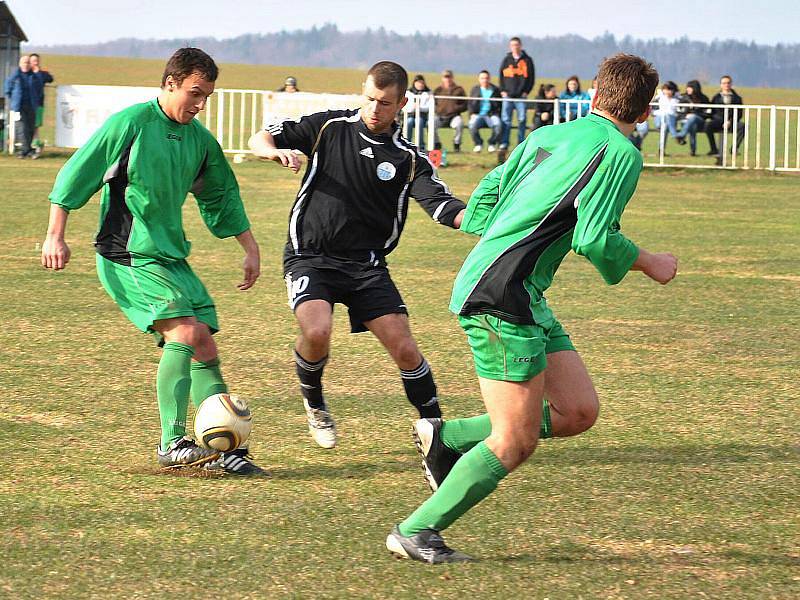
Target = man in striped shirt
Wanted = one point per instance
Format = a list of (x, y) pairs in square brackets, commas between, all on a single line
[(347, 217)]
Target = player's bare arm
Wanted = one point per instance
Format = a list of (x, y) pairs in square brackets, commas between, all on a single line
[(263, 146), (661, 267), (55, 252), (459, 218), (252, 259)]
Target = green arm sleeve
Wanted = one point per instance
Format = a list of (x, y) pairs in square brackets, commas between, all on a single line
[(597, 235), (217, 194), (84, 173), (482, 201)]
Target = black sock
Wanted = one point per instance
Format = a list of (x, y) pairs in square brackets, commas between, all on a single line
[(421, 390), (310, 374)]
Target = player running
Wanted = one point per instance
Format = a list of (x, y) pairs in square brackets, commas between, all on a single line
[(147, 158), (348, 216), (564, 188)]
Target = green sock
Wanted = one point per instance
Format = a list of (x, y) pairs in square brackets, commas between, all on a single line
[(172, 384), (461, 435), (206, 380), (473, 477)]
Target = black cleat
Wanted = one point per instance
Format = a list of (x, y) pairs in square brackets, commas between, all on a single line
[(185, 452), (426, 546), (237, 462), (437, 459)]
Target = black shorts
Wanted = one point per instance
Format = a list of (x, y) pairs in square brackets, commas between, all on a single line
[(367, 291)]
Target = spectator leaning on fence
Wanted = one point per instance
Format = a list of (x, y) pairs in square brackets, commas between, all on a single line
[(695, 115), (722, 119), (575, 103), (40, 79), (448, 110), (19, 87), (485, 112), (420, 91), (545, 105), (517, 76)]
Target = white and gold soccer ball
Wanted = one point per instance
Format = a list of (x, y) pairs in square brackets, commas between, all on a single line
[(222, 422)]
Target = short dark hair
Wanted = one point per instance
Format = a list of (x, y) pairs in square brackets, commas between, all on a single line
[(625, 86), (515, 39), (32, 54), (187, 61), (726, 77), (387, 73), (484, 71)]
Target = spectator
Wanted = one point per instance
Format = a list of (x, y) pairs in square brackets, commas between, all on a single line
[(419, 88), (722, 118), (289, 86), (544, 109), (592, 90), (448, 110), (19, 88), (667, 113), (485, 112), (575, 102), (695, 116), (41, 78), (517, 76)]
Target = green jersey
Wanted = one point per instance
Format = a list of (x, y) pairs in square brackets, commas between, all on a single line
[(146, 164), (564, 188)]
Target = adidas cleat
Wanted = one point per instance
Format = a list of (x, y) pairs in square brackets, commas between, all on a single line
[(321, 425), (437, 459), (426, 546), (185, 452), (237, 462)]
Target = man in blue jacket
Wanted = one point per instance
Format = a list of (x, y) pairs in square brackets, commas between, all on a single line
[(19, 88)]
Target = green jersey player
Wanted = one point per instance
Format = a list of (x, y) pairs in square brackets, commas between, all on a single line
[(146, 159), (563, 189)]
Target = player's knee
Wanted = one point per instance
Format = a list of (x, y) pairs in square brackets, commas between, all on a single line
[(406, 354), (317, 335), (583, 415)]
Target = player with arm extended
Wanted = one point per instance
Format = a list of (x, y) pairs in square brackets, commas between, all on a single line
[(563, 189), (347, 217), (146, 159)]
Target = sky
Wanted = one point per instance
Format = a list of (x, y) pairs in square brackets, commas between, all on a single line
[(49, 22)]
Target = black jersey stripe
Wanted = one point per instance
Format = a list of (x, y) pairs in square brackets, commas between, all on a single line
[(115, 230), (500, 290)]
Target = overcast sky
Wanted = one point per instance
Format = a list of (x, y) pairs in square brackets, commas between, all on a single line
[(65, 22)]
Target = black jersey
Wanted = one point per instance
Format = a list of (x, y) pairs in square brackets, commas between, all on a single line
[(353, 201)]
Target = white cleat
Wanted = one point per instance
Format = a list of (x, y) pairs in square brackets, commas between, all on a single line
[(321, 425), (477, 148)]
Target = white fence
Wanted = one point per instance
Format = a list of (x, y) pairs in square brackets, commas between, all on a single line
[(770, 137)]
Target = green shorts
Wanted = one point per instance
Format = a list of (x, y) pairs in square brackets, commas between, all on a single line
[(39, 117), (509, 352), (156, 291)]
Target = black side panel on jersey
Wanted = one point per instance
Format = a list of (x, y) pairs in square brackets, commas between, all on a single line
[(500, 290), (112, 239)]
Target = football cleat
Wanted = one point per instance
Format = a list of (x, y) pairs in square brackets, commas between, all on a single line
[(437, 459), (321, 425), (426, 546), (237, 462), (185, 452)]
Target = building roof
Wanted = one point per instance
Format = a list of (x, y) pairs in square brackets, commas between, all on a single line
[(9, 25)]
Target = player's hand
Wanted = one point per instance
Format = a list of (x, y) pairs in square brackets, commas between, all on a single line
[(252, 269), (55, 253), (662, 267), (286, 158)]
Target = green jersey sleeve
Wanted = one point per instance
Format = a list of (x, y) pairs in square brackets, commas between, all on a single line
[(85, 172), (597, 233), (217, 193), (482, 201)]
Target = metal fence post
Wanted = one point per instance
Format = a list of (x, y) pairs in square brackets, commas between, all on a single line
[(220, 118), (773, 118), (431, 122)]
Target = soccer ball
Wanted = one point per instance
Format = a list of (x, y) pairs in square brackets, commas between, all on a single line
[(222, 422)]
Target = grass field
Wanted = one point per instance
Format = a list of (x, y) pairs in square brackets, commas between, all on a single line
[(687, 487)]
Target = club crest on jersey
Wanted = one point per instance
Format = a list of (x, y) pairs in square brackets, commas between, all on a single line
[(367, 152), (386, 171)]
